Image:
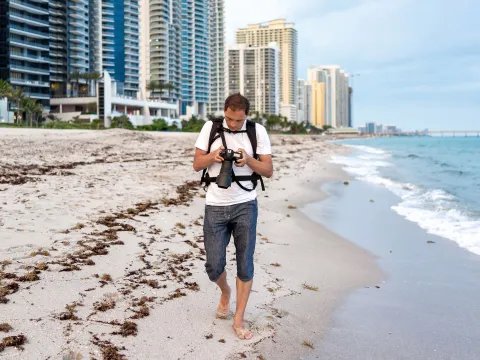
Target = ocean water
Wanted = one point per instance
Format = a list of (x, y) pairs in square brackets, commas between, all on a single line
[(437, 180)]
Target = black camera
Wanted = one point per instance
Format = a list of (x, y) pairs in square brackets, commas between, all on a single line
[(224, 178)]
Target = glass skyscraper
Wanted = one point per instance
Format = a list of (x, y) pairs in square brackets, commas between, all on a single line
[(24, 47), (119, 43), (195, 57), (42, 42)]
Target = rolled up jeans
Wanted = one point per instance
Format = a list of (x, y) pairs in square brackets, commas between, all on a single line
[(219, 224)]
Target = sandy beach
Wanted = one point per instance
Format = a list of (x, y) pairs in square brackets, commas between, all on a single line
[(101, 250)]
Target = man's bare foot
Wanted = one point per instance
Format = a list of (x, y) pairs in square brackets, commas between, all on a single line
[(223, 310), (242, 332)]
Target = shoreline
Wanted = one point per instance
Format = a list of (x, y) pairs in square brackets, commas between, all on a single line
[(422, 308), (119, 205)]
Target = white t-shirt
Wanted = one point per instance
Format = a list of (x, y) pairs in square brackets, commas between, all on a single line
[(234, 194)]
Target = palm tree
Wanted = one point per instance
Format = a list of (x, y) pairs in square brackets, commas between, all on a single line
[(154, 85), (75, 77), (29, 105), (85, 76), (170, 87), (37, 112), (95, 76), (5, 89), (17, 97)]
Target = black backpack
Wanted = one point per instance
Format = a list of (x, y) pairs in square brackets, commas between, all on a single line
[(218, 132)]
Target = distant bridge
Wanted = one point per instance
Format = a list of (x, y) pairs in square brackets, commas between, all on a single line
[(455, 132)]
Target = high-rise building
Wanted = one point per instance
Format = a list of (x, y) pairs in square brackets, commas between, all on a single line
[(118, 49), (301, 101), (319, 104), (304, 104), (160, 45), (25, 47), (43, 43), (335, 82), (371, 127), (308, 103), (195, 57), (283, 33), (350, 91), (217, 57), (59, 32), (254, 71)]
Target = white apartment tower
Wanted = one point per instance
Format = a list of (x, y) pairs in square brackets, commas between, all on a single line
[(254, 71), (217, 57), (285, 35), (160, 45), (301, 101)]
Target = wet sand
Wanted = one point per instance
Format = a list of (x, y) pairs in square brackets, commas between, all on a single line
[(425, 307)]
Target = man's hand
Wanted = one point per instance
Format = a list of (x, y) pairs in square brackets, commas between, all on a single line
[(216, 155), (244, 160)]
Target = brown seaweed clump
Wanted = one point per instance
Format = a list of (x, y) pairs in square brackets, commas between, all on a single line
[(15, 341), (128, 328)]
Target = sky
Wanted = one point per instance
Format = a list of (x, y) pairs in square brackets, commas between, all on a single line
[(418, 60)]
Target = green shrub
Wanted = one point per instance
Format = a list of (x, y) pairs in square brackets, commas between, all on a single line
[(122, 122), (194, 124), (97, 124)]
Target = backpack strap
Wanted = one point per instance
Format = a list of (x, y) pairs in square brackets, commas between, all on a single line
[(217, 125), (214, 132), (252, 136)]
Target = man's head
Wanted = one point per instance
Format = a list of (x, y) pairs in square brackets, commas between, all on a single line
[(236, 110)]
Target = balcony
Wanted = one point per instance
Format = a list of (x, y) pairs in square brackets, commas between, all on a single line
[(57, 79), (29, 82), (58, 70), (78, 9), (29, 70), (78, 16), (79, 56), (131, 32), (21, 5), (29, 44), (14, 29), (78, 39), (28, 19), (78, 24), (75, 47), (36, 95), (80, 67), (24, 56), (77, 32)]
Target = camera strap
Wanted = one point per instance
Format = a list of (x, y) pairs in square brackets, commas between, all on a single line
[(218, 131)]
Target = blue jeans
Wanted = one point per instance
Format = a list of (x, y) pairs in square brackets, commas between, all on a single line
[(219, 225)]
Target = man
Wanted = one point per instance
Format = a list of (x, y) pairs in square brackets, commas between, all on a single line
[(232, 210)]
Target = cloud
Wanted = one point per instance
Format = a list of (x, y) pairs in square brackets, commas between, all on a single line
[(384, 31), (412, 55)]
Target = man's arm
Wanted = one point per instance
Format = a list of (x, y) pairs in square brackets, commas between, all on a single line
[(263, 166), (202, 160)]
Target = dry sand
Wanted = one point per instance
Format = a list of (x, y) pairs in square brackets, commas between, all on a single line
[(101, 250)]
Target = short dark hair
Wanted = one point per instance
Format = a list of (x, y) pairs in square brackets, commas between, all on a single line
[(237, 102)]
